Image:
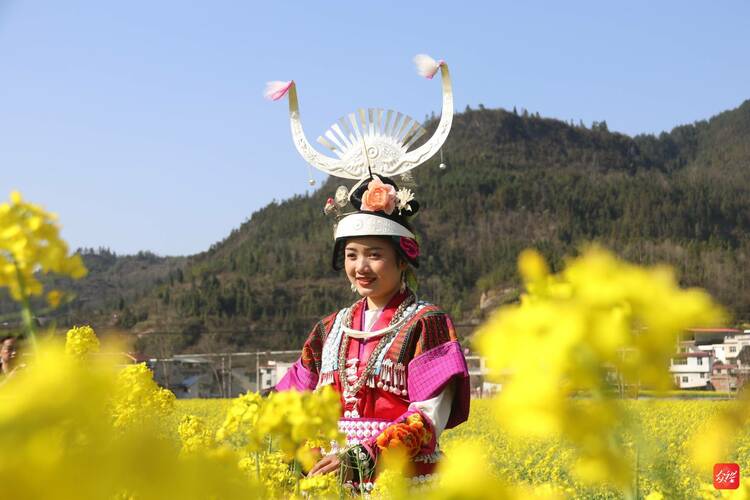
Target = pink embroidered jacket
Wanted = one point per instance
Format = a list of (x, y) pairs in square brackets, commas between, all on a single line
[(418, 364)]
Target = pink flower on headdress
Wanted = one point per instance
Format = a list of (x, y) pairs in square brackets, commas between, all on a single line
[(410, 247), (379, 196), (330, 207)]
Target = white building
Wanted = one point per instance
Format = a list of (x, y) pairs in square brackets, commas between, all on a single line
[(272, 373), (734, 345), (691, 370), (722, 343), (719, 351)]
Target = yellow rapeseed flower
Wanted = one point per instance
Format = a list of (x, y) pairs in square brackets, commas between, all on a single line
[(291, 419), (465, 474), (195, 434), (571, 334), (80, 341), (137, 399), (59, 441), (54, 297), (30, 242)]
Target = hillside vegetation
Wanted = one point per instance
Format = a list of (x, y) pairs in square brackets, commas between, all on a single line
[(514, 180)]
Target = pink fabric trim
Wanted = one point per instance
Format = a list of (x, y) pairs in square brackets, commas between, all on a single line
[(297, 378), (431, 370)]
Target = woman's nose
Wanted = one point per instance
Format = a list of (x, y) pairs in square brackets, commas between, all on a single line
[(363, 264)]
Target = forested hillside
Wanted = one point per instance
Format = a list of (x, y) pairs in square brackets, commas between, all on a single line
[(103, 297), (514, 180)]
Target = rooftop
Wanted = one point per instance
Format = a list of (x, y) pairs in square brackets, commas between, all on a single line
[(714, 330), (692, 355)]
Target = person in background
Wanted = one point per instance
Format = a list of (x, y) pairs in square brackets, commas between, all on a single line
[(9, 357)]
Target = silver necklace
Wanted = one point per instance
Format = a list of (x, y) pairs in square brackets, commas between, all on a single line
[(350, 390)]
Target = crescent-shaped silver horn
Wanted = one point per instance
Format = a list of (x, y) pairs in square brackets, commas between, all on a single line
[(327, 164), (424, 152)]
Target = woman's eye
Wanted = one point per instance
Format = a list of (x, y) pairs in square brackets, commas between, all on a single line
[(351, 256), (374, 255)]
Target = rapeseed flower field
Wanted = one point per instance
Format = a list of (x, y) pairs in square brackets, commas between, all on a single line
[(543, 465), (74, 425)]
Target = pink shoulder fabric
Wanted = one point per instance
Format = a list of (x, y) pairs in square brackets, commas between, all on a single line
[(297, 378), (430, 371)]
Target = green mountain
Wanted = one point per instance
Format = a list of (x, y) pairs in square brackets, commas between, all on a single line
[(513, 181), (104, 296)]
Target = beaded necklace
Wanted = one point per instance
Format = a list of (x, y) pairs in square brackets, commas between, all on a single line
[(351, 389), (395, 324)]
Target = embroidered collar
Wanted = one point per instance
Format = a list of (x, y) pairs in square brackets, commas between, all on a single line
[(382, 324)]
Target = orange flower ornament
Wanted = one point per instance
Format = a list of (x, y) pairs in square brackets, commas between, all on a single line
[(379, 197)]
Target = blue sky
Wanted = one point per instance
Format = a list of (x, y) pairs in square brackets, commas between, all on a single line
[(142, 124)]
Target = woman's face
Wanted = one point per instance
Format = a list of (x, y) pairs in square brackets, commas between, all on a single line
[(372, 265)]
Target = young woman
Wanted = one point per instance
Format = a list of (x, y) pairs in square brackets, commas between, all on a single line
[(394, 359)]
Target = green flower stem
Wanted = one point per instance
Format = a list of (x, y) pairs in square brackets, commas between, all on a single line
[(629, 492), (342, 472), (361, 474), (297, 474), (637, 466), (26, 314)]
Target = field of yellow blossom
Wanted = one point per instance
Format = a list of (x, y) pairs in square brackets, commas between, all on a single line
[(74, 424), (546, 463)]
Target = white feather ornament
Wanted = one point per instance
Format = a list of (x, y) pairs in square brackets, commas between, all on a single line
[(276, 90), (427, 66)]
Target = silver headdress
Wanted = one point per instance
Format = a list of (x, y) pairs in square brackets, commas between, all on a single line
[(373, 145), (373, 140)]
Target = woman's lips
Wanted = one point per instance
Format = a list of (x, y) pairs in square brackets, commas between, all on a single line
[(365, 281)]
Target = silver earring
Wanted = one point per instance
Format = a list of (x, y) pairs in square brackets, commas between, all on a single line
[(403, 282), (354, 288)]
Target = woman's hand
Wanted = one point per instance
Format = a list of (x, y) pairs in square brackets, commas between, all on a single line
[(329, 463)]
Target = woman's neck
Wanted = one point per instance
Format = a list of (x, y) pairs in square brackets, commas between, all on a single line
[(382, 301)]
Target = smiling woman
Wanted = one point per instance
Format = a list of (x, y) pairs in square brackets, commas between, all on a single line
[(394, 360)]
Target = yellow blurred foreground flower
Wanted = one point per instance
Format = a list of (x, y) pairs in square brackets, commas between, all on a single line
[(574, 334), (59, 441), (278, 434), (29, 243)]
